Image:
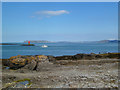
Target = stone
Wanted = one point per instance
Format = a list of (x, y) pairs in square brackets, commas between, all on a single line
[(31, 66), (17, 63), (42, 58)]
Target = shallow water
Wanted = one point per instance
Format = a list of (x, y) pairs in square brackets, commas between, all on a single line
[(58, 49)]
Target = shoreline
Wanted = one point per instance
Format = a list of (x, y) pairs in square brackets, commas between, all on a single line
[(83, 54), (89, 54), (19, 61)]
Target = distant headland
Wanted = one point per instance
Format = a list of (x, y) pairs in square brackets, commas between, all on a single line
[(45, 41)]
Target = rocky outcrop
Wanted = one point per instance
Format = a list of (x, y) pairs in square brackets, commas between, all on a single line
[(64, 58), (37, 62), (27, 62), (89, 56), (84, 56)]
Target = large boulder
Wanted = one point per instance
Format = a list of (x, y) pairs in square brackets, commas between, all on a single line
[(34, 61), (41, 58), (17, 63), (31, 66), (78, 56)]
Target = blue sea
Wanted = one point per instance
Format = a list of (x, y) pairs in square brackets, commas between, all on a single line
[(58, 49)]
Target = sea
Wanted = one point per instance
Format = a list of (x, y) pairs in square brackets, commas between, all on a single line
[(58, 49)]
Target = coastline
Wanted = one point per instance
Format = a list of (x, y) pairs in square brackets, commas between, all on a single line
[(16, 62), (82, 56), (57, 49)]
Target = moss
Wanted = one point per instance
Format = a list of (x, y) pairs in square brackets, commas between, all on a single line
[(26, 79)]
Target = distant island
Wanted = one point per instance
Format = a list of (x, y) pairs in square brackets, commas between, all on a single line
[(37, 41), (9, 44), (27, 45)]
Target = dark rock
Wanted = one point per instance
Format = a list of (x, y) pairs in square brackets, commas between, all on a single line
[(115, 55), (51, 58), (98, 56), (78, 56), (64, 58), (88, 56), (5, 62)]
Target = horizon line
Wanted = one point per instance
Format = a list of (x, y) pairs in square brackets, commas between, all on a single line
[(60, 41)]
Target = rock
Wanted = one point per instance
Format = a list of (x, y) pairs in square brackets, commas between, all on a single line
[(98, 56), (31, 66), (42, 58), (113, 55), (8, 78), (5, 62), (64, 58), (31, 62), (14, 57), (34, 62), (78, 56), (84, 56), (17, 63), (28, 62), (51, 58), (88, 56)]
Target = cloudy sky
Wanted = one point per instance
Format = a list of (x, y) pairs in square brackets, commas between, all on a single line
[(59, 21)]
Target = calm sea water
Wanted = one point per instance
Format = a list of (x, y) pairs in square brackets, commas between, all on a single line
[(58, 49)]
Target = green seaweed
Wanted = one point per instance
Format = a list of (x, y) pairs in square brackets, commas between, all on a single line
[(12, 84)]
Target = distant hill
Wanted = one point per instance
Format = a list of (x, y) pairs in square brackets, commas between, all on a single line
[(37, 41), (45, 41), (109, 41)]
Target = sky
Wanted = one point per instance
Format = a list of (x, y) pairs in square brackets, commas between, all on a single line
[(60, 0), (59, 21)]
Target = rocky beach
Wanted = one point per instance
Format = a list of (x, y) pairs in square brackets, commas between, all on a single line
[(75, 71)]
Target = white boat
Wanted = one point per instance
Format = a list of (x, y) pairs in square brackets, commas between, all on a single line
[(44, 46)]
